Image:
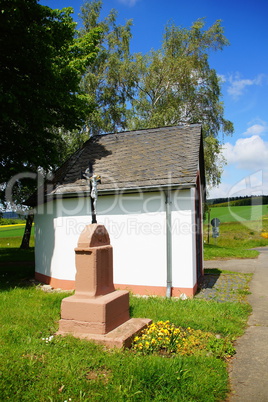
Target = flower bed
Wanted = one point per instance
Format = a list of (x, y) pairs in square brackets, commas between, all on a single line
[(164, 337)]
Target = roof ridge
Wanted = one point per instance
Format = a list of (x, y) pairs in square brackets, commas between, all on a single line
[(142, 130), (133, 159)]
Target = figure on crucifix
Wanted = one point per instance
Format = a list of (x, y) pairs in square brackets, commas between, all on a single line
[(94, 189), (93, 180)]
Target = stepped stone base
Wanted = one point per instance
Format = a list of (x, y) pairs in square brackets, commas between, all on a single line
[(98, 315), (120, 337)]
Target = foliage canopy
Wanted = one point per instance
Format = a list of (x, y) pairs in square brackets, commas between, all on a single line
[(42, 60)]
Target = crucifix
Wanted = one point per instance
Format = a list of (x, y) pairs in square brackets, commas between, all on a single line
[(93, 180)]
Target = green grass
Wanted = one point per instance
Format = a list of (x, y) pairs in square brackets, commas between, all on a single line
[(227, 319), (16, 266), (12, 231), (10, 237), (13, 242), (237, 238), (215, 252), (10, 253), (16, 254), (34, 366), (238, 213)]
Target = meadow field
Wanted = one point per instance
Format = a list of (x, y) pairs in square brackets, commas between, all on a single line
[(242, 228), (15, 230), (238, 213), (10, 241)]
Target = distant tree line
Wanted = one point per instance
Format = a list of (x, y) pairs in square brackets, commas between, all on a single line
[(239, 201)]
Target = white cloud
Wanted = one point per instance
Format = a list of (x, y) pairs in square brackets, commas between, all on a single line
[(250, 184), (219, 192), (246, 172), (129, 3), (239, 85), (256, 129), (247, 153)]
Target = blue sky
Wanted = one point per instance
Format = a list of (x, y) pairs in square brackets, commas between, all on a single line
[(243, 67)]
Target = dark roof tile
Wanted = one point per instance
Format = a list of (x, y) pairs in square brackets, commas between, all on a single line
[(143, 158)]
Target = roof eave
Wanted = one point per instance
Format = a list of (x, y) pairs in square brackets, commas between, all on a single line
[(126, 190), (139, 189)]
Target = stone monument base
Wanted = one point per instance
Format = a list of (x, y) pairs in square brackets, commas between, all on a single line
[(97, 311), (97, 315), (121, 337)]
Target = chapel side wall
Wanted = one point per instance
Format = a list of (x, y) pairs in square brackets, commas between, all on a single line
[(136, 227), (194, 237), (58, 225), (183, 239), (44, 240), (202, 197), (136, 224)]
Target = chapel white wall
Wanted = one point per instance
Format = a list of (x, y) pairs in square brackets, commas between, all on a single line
[(137, 227)]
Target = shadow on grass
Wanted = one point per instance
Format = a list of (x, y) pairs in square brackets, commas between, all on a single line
[(16, 268)]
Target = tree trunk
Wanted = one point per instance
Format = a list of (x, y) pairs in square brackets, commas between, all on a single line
[(25, 243)]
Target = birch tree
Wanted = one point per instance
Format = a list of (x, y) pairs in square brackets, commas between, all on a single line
[(176, 84)]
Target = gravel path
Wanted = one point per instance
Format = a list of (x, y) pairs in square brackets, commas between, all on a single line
[(224, 287)]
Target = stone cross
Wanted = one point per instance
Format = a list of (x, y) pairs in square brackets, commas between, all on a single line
[(94, 190), (93, 180)]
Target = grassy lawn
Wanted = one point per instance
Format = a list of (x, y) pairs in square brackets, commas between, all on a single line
[(11, 235), (37, 365), (238, 213), (12, 230), (34, 365), (10, 240), (237, 238)]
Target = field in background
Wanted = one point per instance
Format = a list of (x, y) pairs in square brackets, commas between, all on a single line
[(238, 213), (240, 231), (10, 241), (12, 230), (11, 235)]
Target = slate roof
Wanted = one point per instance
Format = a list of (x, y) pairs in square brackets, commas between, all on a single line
[(145, 159)]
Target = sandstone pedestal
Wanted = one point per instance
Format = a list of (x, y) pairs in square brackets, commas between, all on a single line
[(97, 311)]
